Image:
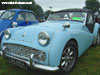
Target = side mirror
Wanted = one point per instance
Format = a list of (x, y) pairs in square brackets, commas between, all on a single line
[(66, 25), (14, 24)]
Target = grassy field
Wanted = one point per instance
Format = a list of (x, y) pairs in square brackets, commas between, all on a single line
[(88, 64)]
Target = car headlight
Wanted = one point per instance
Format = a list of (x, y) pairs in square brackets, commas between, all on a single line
[(43, 38), (7, 34)]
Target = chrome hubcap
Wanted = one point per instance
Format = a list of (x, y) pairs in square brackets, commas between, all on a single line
[(68, 58)]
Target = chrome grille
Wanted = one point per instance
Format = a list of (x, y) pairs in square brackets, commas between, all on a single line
[(24, 52)]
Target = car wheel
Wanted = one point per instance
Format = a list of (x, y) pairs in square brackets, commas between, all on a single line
[(98, 38), (69, 57)]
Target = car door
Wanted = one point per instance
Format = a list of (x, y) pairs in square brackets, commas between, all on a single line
[(26, 18), (89, 28), (90, 22), (87, 35)]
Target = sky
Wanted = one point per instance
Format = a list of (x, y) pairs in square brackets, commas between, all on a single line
[(60, 4)]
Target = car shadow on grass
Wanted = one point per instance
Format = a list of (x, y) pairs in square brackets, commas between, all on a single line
[(41, 72)]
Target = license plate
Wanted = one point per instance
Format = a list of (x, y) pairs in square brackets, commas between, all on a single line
[(17, 62)]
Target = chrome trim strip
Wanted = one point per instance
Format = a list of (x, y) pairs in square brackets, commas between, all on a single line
[(17, 56), (34, 65), (31, 60), (44, 67), (17, 59)]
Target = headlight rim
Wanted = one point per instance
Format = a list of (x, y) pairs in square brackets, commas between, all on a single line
[(47, 36), (9, 33)]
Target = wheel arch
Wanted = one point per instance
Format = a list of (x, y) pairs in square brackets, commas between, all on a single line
[(75, 42), (73, 39), (57, 47)]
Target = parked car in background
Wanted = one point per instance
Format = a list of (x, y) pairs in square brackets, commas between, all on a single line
[(1, 11), (16, 17), (52, 45)]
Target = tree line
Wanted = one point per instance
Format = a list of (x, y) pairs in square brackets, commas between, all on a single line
[(34, 7), (94, 5)]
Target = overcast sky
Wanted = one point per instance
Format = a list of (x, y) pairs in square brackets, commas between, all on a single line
[(61, 4)]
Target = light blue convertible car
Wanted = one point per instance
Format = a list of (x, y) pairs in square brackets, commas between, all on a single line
[(53, 45)]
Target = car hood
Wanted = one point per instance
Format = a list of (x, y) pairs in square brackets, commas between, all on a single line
[(4, 24), (52, 26), (57, 25), (28, 36)]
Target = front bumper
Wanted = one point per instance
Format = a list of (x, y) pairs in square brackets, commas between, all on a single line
[(30, 63)]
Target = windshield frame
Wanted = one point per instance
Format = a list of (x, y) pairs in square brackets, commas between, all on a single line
[(9, 16), (68, 14)]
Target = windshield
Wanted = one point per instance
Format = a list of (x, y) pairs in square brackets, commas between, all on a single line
[(8, 15), (77, 16), (1, 12)]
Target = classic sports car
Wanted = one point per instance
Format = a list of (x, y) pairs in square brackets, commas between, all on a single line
[(16, 17), (53, 45)]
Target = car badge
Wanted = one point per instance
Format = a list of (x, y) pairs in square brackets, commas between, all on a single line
[(24, 34)]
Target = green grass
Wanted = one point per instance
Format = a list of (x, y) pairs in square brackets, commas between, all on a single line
[(88, 64)]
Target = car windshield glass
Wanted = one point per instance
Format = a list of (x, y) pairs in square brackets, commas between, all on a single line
[(1, 12), (76, 16), (8, 15), (26, 16)]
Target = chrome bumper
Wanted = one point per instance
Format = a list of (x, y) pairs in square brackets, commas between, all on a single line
[(32, 64)]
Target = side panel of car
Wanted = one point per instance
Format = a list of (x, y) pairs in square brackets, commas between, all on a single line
[(83, 38)]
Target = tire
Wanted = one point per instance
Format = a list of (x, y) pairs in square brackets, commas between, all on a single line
[(69, 58), (98, 38)]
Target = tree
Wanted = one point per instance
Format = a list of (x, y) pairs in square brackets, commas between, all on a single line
[(47, 13), (34, 7), (93, 5), (7, 6), (40, 12)]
